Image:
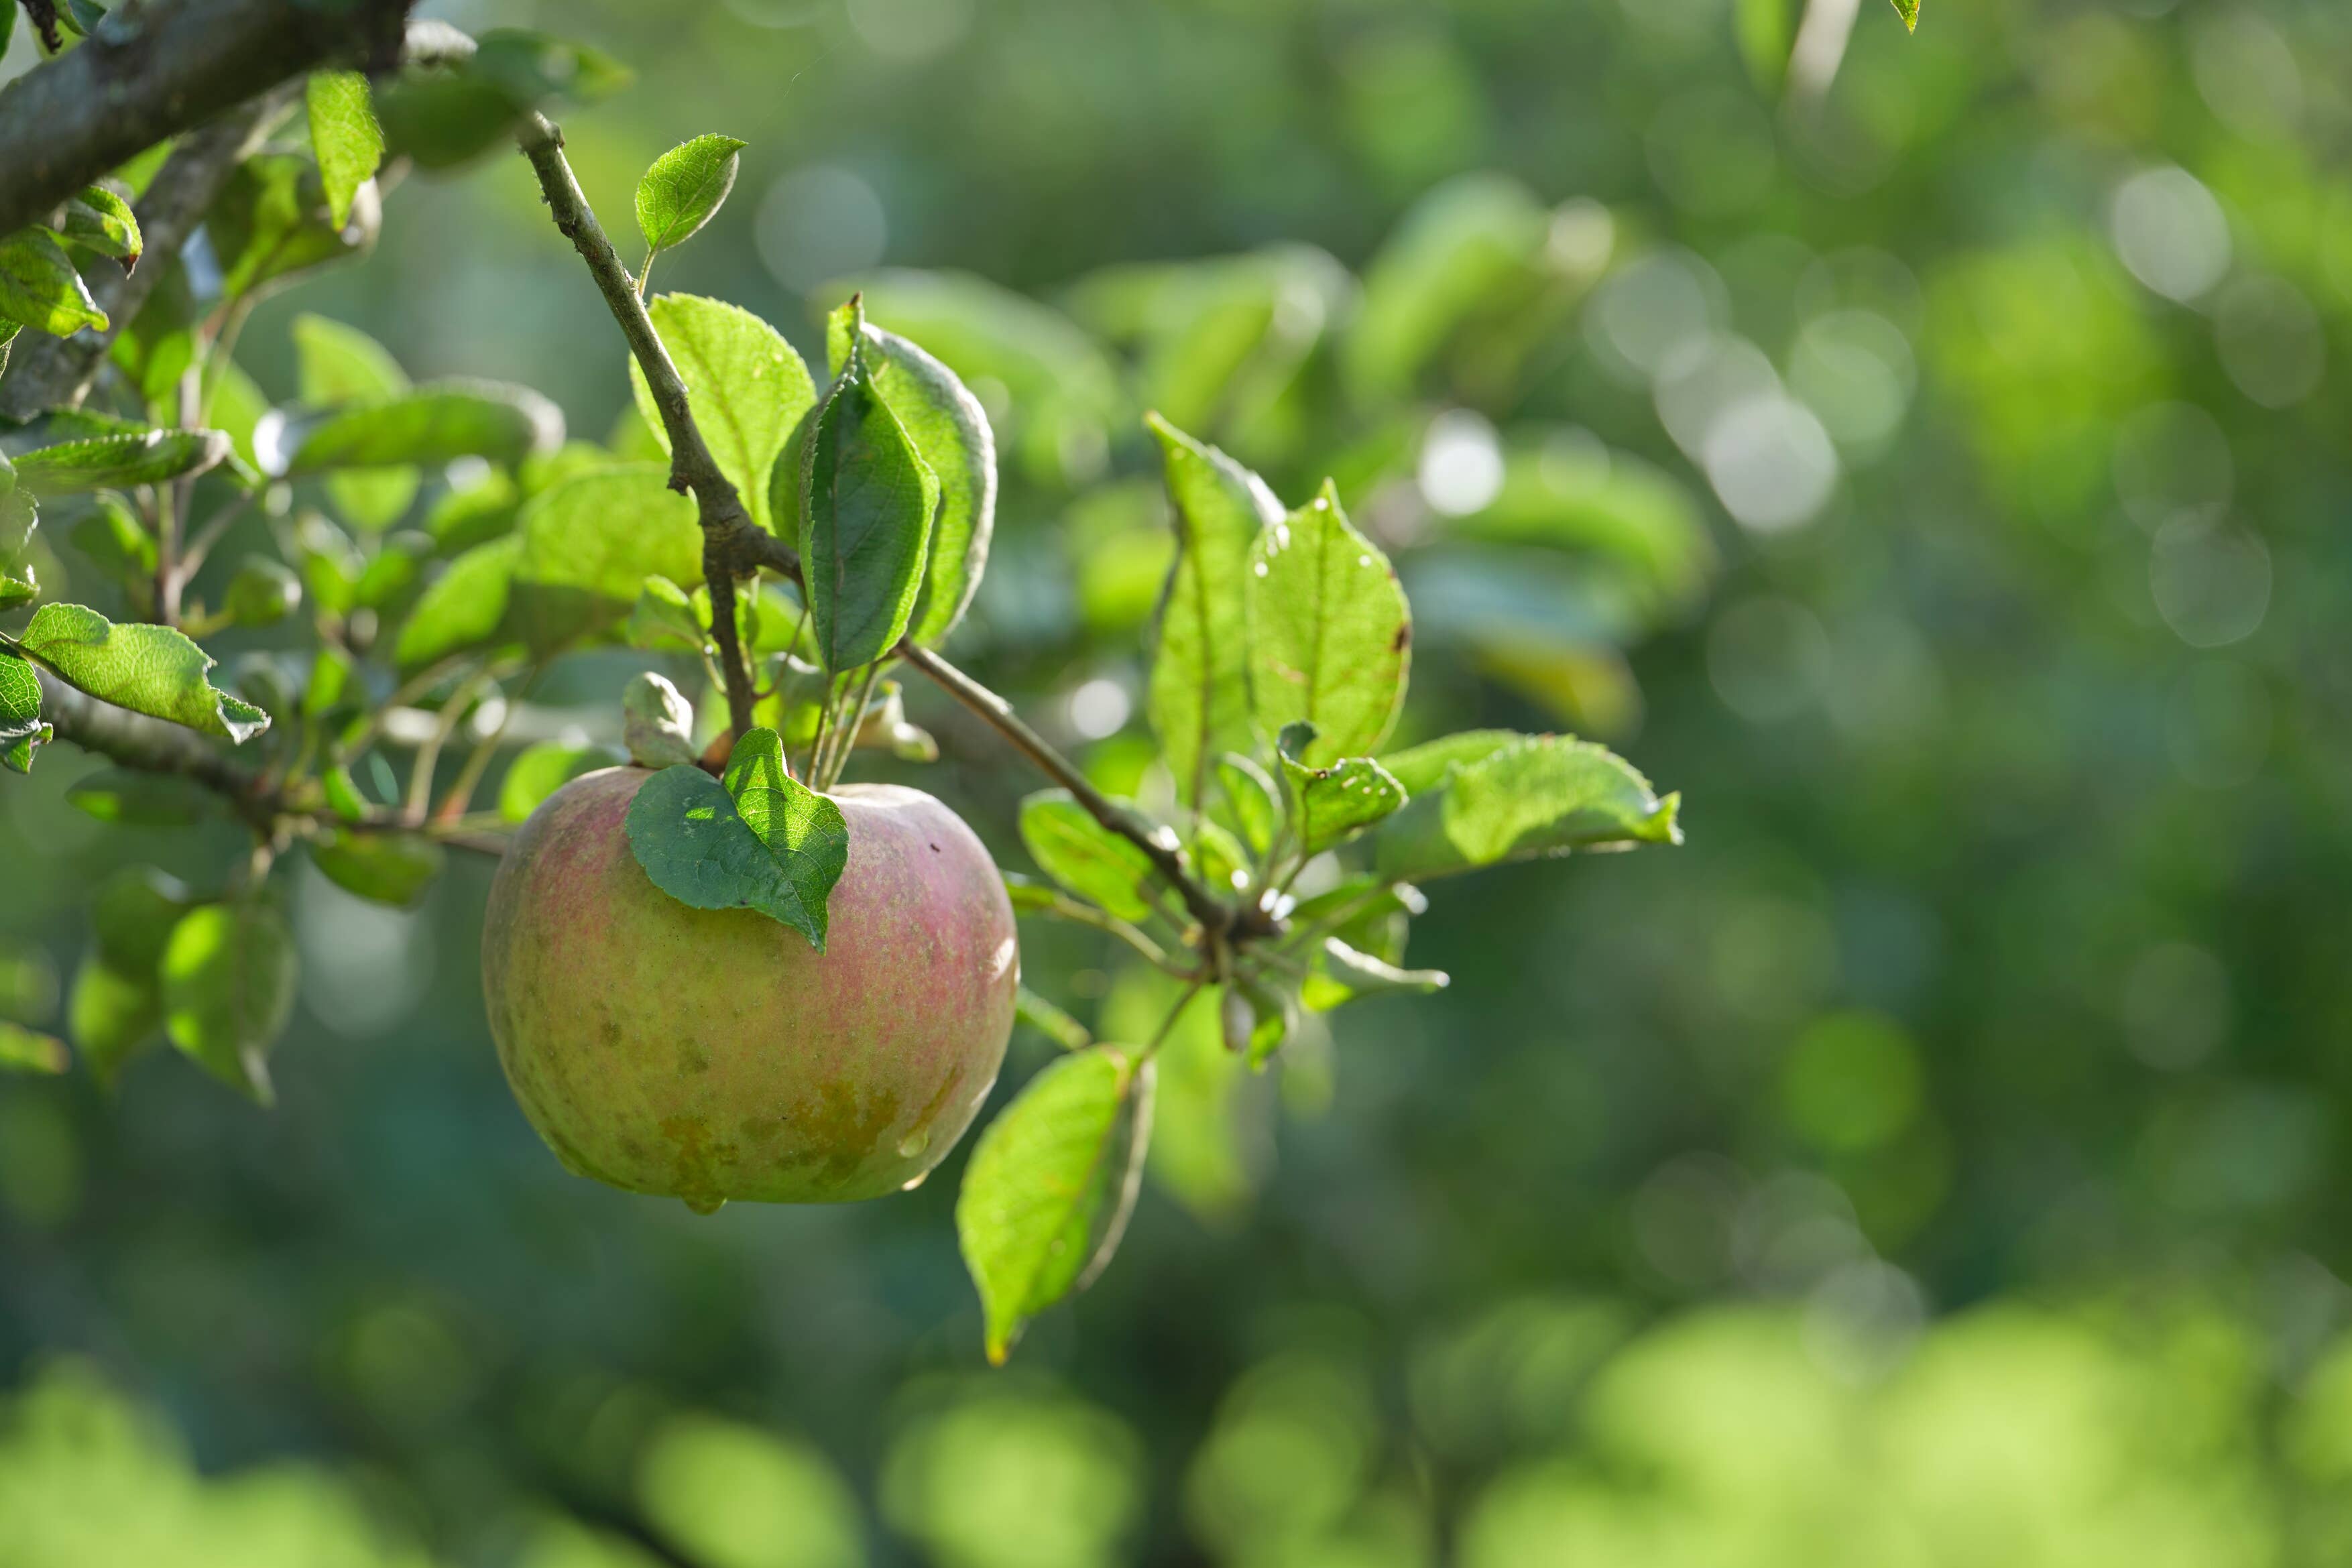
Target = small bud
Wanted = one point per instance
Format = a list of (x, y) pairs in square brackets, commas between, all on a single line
[(1239, 1019), (657, 723)]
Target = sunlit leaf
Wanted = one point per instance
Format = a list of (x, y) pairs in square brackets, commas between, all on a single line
[(149, 669), (229, 989), (1050, 1184), (1330, 637), (1086, 857), (1200, 690), (867, 503), (40, 288), (747, 387), (344, 137), (1542, 795), (684, 187)]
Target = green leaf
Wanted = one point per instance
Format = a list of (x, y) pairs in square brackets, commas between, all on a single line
[(951, 433), (342, 793), (337, 364), (26, 1049), (664, 620), (1909, 11), (39, 287), (464, 608), (770, 844), (541, 770), (868, 500), (1253, 804), (136, 800), (344, 137), (152, 670), (111, 1013), (229, 989), (1223, 862), (263, 592), (1050, 1186), (1199, 697), (332, 563), (271, 221), (159, 344), (21, 729), (475, 516), (1542, 795), (1343, 973), (384, 868), (1086, 857), (428, 425), (1422, 769), (1050, 1020), (117, 1003), (111, 537), (100, 221), (392, 570), (444, 117), (1331, 805), (747, 387), (1331, 638), (1462, 249), (589, 542), (118, 462), (683, 188)]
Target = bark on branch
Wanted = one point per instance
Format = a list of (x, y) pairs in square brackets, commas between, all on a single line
[(733, 546), (155, 70)]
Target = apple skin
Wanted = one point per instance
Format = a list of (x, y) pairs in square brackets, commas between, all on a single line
[(713, 1054)]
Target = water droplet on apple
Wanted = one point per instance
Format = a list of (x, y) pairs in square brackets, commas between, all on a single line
[(706, 1205), (914, 1143)]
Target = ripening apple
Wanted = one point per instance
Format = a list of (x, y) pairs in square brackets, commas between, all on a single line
[(714, 1054)]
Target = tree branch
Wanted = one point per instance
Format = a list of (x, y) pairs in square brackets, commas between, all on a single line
[(733, 545), (1214, 914), (57, 372), (157, 746), (156, 69)]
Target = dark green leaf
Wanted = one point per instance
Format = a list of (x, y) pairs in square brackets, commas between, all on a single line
[(1199, 697), (747, 387), (1050, 1185), (98, 220), (868, 500), (228, 989), (344, 137), (117, 462), (392, 570), (540, 770), (685, 187), (385, 868), (39, 287), (1542, 795), (1086, 857), (950, 431), (430, 424), (778, 847), (444, 117), (123, 551), (1330, 639), (25, 1050), (137, 799), (271, 221), (465, 607), (263, 592), (134, 914), (149, 669)]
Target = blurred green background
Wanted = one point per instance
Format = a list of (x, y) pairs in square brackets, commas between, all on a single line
[(1939, 473)]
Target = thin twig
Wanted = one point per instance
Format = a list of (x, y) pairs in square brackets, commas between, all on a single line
[(1215, 916), (731, 547), (1061, 906)]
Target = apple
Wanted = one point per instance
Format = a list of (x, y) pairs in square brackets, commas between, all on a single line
[(713, 1054)]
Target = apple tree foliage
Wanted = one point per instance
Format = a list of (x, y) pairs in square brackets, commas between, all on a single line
[(808, 549)]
